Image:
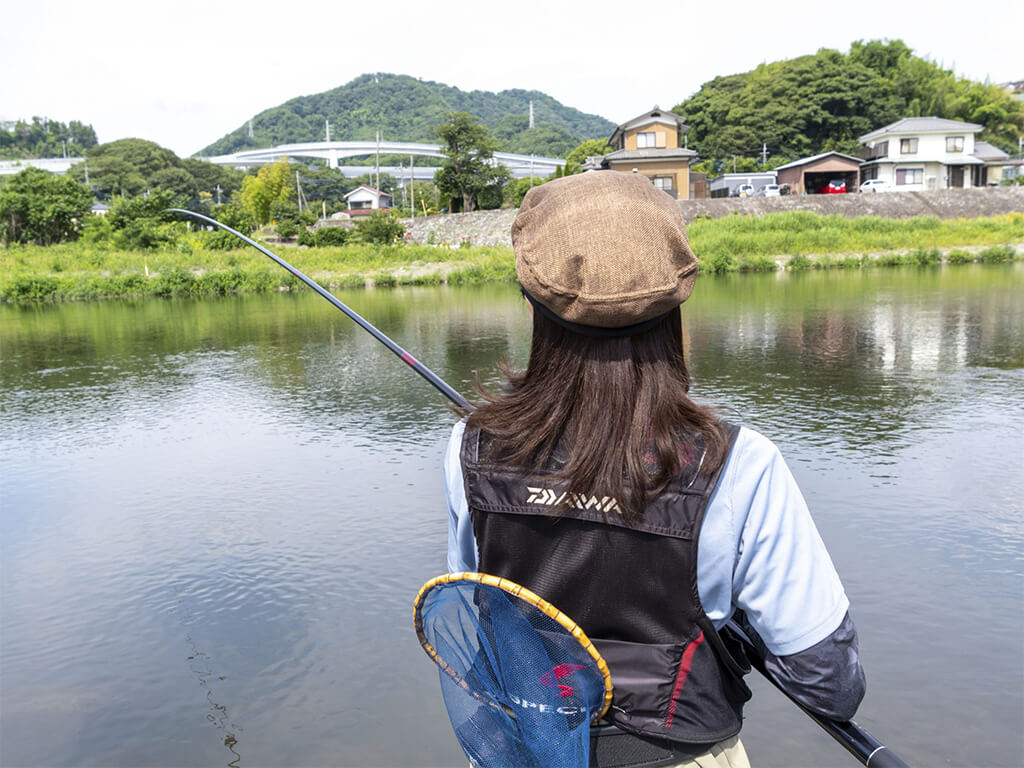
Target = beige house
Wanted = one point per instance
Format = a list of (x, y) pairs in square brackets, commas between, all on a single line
[(650, 145)]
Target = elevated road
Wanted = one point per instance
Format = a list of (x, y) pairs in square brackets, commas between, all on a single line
[(519, 166)]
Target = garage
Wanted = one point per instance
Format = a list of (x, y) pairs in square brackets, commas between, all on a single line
[(814, 175)]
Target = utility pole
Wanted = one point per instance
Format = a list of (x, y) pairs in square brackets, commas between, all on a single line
[(531, 118), (328, 124), (764, 153), (412, 187), (378, 161), (250, 127), (298, 190)]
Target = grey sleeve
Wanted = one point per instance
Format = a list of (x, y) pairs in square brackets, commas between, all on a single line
[(827, 678)]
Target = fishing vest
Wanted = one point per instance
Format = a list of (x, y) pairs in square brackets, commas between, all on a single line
[(632, 588)]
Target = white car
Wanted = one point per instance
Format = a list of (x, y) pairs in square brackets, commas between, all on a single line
[(876, 185), (772, 190)]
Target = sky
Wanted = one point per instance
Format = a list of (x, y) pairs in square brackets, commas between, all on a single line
[(184, 74)]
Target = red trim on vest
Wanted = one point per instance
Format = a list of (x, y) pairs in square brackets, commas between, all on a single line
[(684, 671)]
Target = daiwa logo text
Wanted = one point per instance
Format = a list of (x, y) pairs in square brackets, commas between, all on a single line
[(551, 498)]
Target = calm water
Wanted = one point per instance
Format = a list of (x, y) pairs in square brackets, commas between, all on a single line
[(216, 514)]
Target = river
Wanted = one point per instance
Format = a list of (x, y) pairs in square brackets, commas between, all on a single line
[(214, 515)]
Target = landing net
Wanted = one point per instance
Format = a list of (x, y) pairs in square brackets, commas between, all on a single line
[(521, 682)]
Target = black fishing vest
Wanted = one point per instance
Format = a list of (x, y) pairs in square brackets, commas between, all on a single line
[(632, 588)]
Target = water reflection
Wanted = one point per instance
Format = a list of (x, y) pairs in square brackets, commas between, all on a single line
[(215, 514)]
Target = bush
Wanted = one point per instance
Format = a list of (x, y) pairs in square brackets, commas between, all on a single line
[(997, 254), (958, 256), (25, 287), (324, 237), (758, 264), (381, 227), (287, 229), (800, 261), (328, 236), (721, 262), (926, 257), (174, 282)]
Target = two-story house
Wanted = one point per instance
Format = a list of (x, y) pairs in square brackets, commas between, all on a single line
[(651, 145), (921, 153)]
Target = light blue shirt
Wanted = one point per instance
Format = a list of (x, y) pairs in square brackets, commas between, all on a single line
[(758, 550)]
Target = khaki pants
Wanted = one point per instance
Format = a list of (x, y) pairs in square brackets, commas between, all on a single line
[(725, 754)]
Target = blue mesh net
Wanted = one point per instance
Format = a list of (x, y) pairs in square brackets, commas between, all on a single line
[(519, 688)]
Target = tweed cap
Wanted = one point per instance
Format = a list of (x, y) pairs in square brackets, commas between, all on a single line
[(603, 249)]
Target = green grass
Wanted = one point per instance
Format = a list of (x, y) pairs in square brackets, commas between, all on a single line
[(799, 239), (797, 233)]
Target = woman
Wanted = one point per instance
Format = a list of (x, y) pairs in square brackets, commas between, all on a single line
[(595, 481)]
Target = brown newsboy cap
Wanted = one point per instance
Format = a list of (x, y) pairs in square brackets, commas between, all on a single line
[(603, 249)]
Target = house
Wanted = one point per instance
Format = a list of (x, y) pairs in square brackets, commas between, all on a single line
[(649, 144), (808, 175), (995, 163), (922, 153), (741, 184), (364, 200)]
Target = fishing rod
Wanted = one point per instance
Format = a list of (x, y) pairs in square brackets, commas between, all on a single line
[(858, 742), (406, 358), (868, 750)]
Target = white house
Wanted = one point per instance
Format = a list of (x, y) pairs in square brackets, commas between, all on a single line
[(363, 199), (921, 153)]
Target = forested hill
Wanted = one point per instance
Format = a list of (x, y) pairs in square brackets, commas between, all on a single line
[(403, 108), (44, 138), (825, 101)]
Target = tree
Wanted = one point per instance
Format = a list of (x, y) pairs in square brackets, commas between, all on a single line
[(176, 180), (40, 207), (469, 170), (272, 183), (45, 138), (124, 167), (589, 148), (144, 222)]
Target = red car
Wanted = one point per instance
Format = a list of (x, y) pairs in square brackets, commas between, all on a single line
[(834, 187)]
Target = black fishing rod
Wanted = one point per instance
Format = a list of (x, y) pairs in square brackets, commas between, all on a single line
[(868, 750), (408, 359), (858, 742)]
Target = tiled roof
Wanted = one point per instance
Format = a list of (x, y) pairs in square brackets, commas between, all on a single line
[(922, 125), (649, 154), (815, 158), (985, 151)]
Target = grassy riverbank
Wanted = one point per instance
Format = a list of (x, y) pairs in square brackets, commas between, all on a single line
[(794, 240)]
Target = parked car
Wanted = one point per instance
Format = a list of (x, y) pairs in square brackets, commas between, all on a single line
[(784, 189), (772, 190), (876, 185), (834, 187), (745, 190)]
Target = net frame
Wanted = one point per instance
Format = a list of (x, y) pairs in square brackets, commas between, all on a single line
[(524, 594)]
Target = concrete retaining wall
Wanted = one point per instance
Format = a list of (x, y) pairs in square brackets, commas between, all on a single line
[(492, 227)]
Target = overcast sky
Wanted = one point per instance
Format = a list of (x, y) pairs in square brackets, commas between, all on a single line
[(185, 73)]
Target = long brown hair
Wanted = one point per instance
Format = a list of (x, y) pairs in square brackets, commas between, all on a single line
[(618, 405)]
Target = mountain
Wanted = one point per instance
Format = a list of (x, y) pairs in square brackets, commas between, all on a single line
[(403, 108)]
